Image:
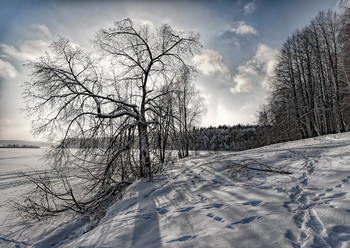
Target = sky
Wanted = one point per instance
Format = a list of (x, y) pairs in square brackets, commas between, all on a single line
[(240, 39)]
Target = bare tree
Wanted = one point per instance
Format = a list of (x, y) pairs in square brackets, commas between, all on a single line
[(180, 110), (102, 103), (187, 108), (146, 61)]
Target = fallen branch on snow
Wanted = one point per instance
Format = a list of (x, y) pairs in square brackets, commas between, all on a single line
[(252, 164)]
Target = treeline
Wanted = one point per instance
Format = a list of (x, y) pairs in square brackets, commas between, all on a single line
[(226, 138), (310, 87), (222, 138)]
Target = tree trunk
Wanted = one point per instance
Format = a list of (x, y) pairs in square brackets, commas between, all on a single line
[(145, 161)]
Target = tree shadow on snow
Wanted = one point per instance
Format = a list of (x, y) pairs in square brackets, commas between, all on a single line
[(146, 231)]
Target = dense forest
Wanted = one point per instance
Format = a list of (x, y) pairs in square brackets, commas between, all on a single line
[(310, 87), (222, 138)]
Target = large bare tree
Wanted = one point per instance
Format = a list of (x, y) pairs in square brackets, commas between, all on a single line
[(103, 103)]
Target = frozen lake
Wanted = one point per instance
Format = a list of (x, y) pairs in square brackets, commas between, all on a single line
[(12, 187), (13, 161)]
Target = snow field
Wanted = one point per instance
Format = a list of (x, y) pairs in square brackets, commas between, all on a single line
[(198, 204)]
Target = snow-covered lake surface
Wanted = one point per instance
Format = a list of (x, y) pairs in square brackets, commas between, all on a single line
[(197, 203), (12, 161)]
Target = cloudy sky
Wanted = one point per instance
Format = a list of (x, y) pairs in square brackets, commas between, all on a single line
[(240, 40)]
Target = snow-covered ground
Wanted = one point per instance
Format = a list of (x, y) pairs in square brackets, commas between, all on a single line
[(198, 204)]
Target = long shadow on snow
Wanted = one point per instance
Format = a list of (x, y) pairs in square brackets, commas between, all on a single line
[(146, 231)]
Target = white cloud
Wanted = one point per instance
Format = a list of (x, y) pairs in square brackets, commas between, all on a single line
[(7, 70), (38, 32), (26, 50), (33, 43), (253, 73), (240, 28), (144, 22), (249, 8), (251, 76), (214, 83), (211, 64)]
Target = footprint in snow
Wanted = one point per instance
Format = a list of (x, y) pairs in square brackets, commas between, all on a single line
[(162, 211), (182, 238), (315, 223), (338, 195), (252, 203), (217, 218), (216, 181), (229, 184), (313, 188), (305, 182), (299, 218), (346, 180), (183, 210), (243, 221), (292, 238), (210, 206), (146, 216), (311, 170), (265, 187)]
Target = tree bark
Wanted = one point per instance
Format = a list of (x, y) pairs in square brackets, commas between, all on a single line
[(145, 161)]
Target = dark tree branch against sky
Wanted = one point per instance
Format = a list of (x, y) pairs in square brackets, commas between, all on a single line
[(240, 40)]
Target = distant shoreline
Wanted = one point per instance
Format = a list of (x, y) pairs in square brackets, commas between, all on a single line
[(20, 146)]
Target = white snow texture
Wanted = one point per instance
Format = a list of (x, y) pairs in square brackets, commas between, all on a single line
[(198, 204)]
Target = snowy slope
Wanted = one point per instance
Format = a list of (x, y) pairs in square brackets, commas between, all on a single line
[(197, 203)]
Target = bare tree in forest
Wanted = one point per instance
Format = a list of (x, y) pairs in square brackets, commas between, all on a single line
[(309, 89), (187, 108), (181, 110), (104, 103)]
